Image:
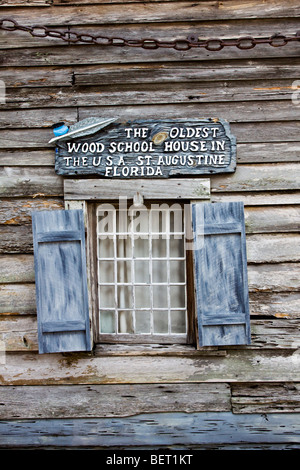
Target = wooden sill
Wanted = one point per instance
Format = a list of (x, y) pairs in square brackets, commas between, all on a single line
[(155, 350)]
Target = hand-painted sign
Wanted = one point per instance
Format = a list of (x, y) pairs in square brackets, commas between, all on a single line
[(152, 149)]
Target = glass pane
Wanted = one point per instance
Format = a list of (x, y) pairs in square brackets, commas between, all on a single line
[(124, 271), (178, 323), (107, 296), (124, 295), (106, 247), (141, 248), (107, 322), (159, 247), (142, 321), (159, 271), (122, 221), (106, 218), (177, 296), (160, 220), (176, 246), (142, 297), (124, 248), (160, 321), (106, 271), (125, 323), (160, 296), (177, 271), (176, 219), (141, 270)]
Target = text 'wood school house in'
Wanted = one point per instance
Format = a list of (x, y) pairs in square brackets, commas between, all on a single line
[(149, 220)]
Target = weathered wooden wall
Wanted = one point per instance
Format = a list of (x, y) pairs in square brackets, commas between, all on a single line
[(176, 395)]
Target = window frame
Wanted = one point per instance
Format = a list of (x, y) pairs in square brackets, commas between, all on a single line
[(82, 193), (126, 338)]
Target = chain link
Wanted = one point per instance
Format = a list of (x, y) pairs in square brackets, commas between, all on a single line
[(192, 41)]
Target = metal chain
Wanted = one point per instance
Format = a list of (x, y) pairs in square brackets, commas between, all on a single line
[(192, 41)]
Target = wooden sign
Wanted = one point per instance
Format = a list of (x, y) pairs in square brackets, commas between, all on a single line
[(149, 149)]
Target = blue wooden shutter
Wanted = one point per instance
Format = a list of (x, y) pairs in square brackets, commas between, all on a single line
[(220, 266), (61, 281)]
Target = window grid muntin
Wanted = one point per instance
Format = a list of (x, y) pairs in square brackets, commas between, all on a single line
[(150, 235)]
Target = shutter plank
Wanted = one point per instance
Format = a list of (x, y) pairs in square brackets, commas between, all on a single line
[(221, 274), (61, 281)]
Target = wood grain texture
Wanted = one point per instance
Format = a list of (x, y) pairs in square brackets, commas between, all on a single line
[(240, 365), (147, 94), (61, 281), (98, 401), (265, 398), (204, 430), (18, 211), (148, 12), (220, 272)]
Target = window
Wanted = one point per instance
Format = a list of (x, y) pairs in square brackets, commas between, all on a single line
[(142, 272), (159, 273)]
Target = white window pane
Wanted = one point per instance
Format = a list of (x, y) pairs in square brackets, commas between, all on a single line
[(159, 247), (142, 297), (107, 322), (177, 271), (176, 246), (142, 321), (124, 271), (160, 321), (141, 248), (124, 296), (176, 218), (123, 248), (178, 321), (125, 322), (159, 271), (141, 271), (177, 296), (106, 271), (160, 296), (106, 247), (107, 296)]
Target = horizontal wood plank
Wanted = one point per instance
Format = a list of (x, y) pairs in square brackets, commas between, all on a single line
[(282, 277), (148, 12), (268, 219), (238, 112), (18, 211), (159, 94), (16, 268), (206, 29), (204, 430), (259, 198), (81, 54), (262, 177), (175, 188), (275, 248), (81, 368), (182, 71), (27, 158), (31, 185), (105, 400), (37, 117), (266, 398)]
